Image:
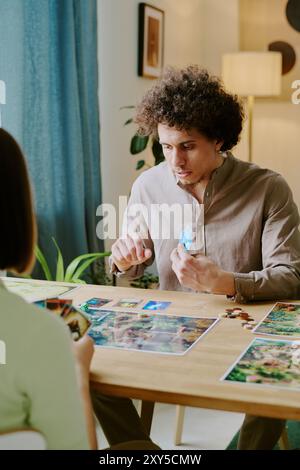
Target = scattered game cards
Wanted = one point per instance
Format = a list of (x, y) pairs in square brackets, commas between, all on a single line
[(75, 319), (142, 331), (156, 305), (96, 302), (268, 362), (33, 291), (282, 320), (128, 303), (55, 305)]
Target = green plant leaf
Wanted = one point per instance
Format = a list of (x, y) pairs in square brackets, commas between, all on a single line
[(60, 271), (138, 144), (78, 281), (71, 269), (42, 260), (83, 266), (157, 152), (140, 164), (25, 276), (129, 121)]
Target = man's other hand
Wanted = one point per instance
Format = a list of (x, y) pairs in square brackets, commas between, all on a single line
[(201, 274)]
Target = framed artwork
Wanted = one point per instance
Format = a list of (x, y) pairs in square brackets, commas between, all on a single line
[(273, 25), (151, 41)]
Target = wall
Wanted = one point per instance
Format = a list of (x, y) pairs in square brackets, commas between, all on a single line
[(195, 31), (276, 137), (120, 85), (220, 31), (276, 125)]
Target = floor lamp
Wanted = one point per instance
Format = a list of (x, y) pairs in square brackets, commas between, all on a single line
[(2, 96), (250, 74)]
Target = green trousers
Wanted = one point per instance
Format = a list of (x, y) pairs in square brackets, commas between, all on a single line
[(121, 423)]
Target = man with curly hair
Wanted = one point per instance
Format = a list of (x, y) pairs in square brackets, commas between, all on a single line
[(250, 244)]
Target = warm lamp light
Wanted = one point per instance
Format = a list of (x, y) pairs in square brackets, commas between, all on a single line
[(252, 74)]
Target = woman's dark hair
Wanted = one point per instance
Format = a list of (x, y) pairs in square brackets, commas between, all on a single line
[(191, 98), (18, 227)]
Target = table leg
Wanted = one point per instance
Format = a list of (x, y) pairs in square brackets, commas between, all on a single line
[(179, 424), (147, 415)]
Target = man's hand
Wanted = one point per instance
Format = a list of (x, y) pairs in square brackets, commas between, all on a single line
[(200, 273), (127, 252)]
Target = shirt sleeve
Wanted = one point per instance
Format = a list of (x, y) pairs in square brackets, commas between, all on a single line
[(280, 244), (135, 221), (49, 385)]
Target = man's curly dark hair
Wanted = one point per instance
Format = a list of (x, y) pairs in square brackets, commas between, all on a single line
[(191, 98)]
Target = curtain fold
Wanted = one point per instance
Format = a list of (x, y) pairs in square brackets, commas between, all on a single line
[(57, 99)]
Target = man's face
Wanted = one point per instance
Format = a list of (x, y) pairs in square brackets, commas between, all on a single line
[(190, 155)]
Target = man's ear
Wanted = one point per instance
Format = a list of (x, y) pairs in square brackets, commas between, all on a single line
[(219, 145)]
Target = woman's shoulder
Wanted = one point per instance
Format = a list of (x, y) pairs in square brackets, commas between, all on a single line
[(27, 320)]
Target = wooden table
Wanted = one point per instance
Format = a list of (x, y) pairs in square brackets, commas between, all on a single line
[(192, 379)]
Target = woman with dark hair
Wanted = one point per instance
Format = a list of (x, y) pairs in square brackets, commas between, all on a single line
[(41, 386)]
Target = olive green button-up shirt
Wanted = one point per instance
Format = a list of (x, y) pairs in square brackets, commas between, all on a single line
[(249, 227), (38, 381)]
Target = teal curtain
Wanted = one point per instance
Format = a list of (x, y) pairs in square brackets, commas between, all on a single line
[(48, 59)]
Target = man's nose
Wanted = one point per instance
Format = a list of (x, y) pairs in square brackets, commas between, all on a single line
[(178, 158)]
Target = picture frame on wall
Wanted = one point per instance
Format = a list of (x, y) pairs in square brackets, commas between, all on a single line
[(151, 41)]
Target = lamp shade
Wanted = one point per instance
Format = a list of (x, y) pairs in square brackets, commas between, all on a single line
[(252, 73)]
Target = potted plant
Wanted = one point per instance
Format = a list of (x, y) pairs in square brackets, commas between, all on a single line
[(74, 271), (139, 143)]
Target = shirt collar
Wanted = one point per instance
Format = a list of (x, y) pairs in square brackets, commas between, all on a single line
[(216, 174)]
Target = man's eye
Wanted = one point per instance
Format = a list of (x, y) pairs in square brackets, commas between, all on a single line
[(166, 147), (188, 147)]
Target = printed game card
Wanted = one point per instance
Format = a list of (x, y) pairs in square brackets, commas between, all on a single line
[(268, 362), (143, 331), (128, 303), (33, 291), (156, 305), (75, 319), (97, 302), (282, 320)]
